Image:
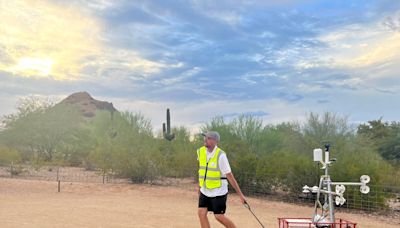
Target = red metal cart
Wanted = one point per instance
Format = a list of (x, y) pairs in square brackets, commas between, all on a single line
[(308, 223)]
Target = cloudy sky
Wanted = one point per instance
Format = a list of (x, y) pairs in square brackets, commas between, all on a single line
[(277, 60)]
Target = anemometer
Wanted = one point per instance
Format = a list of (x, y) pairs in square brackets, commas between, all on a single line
[(326, 188)]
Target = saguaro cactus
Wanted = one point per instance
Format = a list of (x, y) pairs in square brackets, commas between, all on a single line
[(167, 131)]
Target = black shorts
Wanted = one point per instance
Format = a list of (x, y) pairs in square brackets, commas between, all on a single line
[(215, 204)]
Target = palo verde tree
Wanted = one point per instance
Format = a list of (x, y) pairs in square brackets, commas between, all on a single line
[(384, 136), (39, 132)]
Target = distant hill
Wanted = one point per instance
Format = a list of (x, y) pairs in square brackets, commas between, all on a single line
[(87, 104)]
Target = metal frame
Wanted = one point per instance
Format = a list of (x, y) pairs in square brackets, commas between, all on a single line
[(327, 216), (340, 223)]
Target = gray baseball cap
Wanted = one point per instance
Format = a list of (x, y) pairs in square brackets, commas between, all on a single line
[(212, 134)]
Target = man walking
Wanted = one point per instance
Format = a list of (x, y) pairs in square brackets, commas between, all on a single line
[(214, 171)]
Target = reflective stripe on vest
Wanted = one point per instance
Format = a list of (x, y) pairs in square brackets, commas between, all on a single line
[(209, 172)]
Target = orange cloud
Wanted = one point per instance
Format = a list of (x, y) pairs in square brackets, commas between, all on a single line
[(43, 39), (359, 46)]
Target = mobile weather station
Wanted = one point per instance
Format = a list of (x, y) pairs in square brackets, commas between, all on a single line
[(324, 214)]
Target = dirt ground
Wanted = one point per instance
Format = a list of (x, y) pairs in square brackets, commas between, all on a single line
[(32, 203)]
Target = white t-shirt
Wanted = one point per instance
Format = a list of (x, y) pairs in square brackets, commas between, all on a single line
[(225, 168)]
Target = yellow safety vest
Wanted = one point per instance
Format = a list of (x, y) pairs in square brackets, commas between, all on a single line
[(209, 172)]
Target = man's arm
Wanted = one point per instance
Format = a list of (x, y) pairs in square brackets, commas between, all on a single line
[(235, 185), (198, 186)]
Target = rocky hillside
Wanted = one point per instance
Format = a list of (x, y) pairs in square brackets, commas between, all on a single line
[(86, 104)]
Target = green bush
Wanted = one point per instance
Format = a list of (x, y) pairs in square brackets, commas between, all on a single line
[(264, 158), (8, 156)]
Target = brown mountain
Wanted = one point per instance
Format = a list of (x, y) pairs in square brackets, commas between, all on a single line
[(86, 104)]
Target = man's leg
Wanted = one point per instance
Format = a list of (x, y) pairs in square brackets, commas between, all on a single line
[(202, 212), (224, 220), (219, 207), (204, 203)]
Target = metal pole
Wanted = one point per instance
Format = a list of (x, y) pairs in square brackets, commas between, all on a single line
[(331, 209), (58, 179), (346, 183), (317, 202), (12, 169), (246, 205), (328, 185)]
